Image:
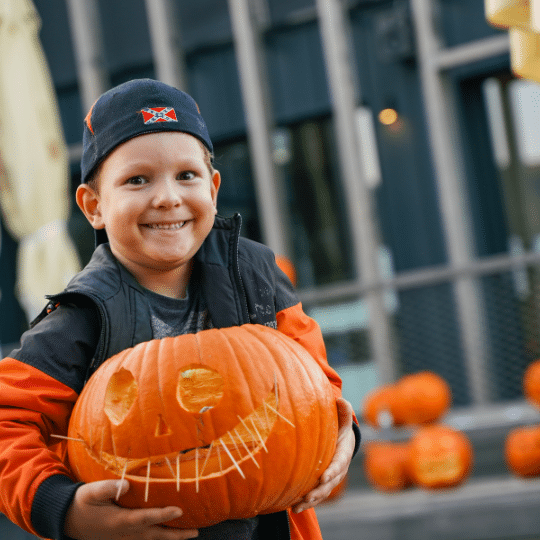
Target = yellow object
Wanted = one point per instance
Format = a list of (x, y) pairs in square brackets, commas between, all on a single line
[(388, 116), (525, 53), (507, 13), (522, 18), (34, 171)]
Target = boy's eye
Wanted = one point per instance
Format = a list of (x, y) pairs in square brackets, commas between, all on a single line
[(136, 181), (186, 175)]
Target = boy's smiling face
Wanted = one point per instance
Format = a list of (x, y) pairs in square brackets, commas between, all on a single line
[(157, 199)]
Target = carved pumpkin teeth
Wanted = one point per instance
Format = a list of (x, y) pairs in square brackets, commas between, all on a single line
[(238, 445)]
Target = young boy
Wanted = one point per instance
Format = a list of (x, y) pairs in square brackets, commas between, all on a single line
[(165, 264)]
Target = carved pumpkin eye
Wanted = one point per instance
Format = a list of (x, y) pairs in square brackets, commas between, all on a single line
[(121, 392), (199, 388)]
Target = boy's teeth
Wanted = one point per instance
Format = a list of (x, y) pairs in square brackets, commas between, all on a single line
[(166, 225)]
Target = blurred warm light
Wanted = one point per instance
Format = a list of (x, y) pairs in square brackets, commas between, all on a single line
[(388, 116)]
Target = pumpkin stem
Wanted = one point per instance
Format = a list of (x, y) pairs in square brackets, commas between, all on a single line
[(219, 459), (259, 435), (120, 485), (114, 453), (147, 481), (207, 456), (178, 472), (196, 470), (232, 459), (170, 467), (67, 438), (279, 414), (101, 447), (245, 425)]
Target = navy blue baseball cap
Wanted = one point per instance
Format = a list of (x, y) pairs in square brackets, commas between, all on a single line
[(134, 108)]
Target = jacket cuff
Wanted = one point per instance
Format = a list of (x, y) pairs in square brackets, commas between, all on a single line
[(51, 503), (357, 438)]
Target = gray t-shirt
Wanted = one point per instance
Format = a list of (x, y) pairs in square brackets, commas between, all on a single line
[(172, 317)]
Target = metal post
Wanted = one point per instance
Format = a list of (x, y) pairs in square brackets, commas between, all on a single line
[(449, 172), (165, 36), (336, 46), (87, 39), (257, 112)]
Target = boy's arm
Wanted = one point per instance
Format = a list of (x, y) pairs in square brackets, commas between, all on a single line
[(33, 405), (39, 384)]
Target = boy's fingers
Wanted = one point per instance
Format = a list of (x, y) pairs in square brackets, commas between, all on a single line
[(103, 491), (149, 517)]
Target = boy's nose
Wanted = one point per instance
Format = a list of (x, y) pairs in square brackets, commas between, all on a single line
[(167, 193)]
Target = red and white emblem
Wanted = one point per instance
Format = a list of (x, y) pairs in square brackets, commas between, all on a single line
[(158, 114)]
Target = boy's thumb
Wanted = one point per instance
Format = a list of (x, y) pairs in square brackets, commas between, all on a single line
[(106, 490)]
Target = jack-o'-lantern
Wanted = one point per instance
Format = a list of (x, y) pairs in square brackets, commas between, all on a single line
[(531, 383), (225, 423), (421, 397), (379, 408), (522, 451), (385, 465), (439, 456)]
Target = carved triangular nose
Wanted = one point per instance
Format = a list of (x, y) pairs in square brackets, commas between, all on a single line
[(162, 428)]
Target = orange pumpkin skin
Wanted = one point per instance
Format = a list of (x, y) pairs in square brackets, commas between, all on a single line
[(379, 407), (422, 397), (522, 451), (225, 423), (385, 465), (439, 457), (531, 383)]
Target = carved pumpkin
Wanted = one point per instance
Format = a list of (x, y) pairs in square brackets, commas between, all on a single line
[(439, 456), (225, 423), (421, 398), (531, 383), (379, 407), (385, 465), (522, 451)]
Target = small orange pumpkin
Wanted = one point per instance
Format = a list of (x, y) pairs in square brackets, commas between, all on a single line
[(531, 383), (385, 465), (379, 407), (421, 397), (225, 423), (522, 451), (439, 456)]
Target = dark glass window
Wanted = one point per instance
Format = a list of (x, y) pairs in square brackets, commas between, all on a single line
[(237, 193), (306, 154)]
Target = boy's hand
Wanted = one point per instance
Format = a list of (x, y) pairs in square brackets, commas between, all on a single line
[(339, 465), (93, 515)]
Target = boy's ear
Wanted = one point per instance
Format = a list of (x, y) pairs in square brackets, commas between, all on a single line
[(88, 201), (216, 182)]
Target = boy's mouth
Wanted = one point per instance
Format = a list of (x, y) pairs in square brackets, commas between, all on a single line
[(166, 226)]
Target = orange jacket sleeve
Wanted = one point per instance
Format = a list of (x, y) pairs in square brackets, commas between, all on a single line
[(32, 406), (294, 323)]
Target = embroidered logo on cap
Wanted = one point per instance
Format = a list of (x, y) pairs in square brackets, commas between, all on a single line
[(158, 114)]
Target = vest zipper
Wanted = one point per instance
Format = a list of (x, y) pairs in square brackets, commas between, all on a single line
[(239, 282)]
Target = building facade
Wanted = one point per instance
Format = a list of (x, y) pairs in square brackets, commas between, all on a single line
[(384, 146)]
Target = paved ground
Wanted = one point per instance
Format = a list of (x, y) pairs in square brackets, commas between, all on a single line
[(500, 508)]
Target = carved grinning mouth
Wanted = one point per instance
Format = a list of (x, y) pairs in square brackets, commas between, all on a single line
[(229, 452)]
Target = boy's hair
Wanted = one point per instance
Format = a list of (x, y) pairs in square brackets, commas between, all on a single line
[(134, 108)]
